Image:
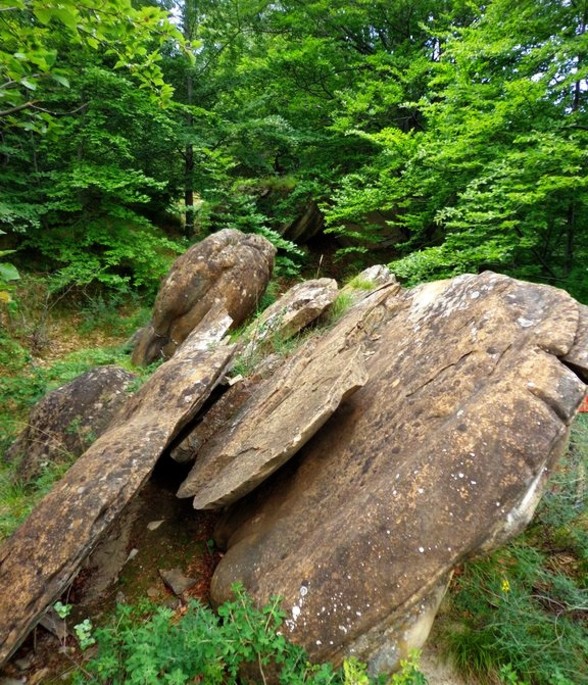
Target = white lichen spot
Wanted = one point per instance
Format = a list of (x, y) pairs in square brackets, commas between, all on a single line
[(421, 549), (525, 323), (475, 295)]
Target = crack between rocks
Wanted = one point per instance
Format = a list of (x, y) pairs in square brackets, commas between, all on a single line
[(581, 373), (440, 371)]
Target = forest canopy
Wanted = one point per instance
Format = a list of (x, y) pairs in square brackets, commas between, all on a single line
[(442, 136)]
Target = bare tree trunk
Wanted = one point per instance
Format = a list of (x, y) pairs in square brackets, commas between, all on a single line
[(189, 168)]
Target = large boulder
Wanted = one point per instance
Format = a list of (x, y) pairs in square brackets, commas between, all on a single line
[(44, 554), (442, 454), (66, 421), (229, 267)]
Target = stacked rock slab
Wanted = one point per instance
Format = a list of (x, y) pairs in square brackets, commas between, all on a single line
[(42, 557), (443, 453), (298, 307), (280, 417), (228, 267)]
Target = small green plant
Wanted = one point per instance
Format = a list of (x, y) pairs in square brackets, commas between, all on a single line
[(62, 610), (342, 303), (84, 635), (508, 676), (83, 631), (409, 673), (359, 283)]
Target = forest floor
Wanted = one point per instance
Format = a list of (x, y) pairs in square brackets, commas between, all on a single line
[(158, 532)]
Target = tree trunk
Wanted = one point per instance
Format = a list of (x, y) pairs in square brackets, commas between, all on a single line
[(189, 168)]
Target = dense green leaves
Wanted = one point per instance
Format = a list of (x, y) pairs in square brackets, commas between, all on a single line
[(451, 133)]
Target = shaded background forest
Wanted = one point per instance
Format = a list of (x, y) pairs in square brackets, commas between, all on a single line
[(441, 136)]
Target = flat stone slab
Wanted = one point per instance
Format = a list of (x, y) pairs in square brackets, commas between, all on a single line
[(298, 307), (277, 419), (43, 556), (302, 304)]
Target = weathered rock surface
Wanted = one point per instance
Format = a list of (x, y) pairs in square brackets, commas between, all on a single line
[(442, 454), (66, 421), (41, 558), (229, 267), (280, 417), (302, 304)]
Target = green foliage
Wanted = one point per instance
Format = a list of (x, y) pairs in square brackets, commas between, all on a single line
[(118, 312), (153, 645), (342, 303), (83, 632), (17, 499), (62, 610), (116, 254), (38, 37), (150, 644), (8, 274), (522, 611)]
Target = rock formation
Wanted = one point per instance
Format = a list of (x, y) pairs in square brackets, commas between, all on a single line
[(278, 419), (44, 554), (67, 420), (302, 304), (229, 267), (442, 454), (415, 431), (298, 307)]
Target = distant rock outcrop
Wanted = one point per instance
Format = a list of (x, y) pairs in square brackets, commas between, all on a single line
[(228, 267), (441, 455), (67, 420)]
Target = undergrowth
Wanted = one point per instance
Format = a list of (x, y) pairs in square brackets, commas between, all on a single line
[(239, 644), (34, 322)]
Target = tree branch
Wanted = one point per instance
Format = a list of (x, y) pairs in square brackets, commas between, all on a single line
[(17, 108)]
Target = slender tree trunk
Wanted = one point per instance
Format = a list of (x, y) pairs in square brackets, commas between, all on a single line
[(570, 230), (189, 230)]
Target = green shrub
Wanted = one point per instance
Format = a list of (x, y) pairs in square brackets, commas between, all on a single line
[(150, 645)]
